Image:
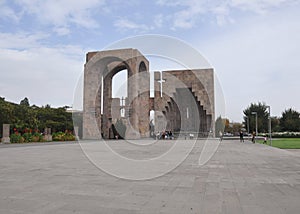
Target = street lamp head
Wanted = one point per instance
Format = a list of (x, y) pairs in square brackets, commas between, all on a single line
[(253, 112), (269, 108)]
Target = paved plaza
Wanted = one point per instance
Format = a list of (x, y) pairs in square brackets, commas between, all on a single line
[(239, 178)]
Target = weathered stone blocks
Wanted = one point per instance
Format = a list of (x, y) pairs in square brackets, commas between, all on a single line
[(101, 110)]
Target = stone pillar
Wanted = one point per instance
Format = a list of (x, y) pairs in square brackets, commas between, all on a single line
[(144, 104), (107, 101), (47, 134), (5, 133), (92, 98), (157, 91)]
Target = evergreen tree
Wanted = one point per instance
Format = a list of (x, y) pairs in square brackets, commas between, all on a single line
[(262, 117), (290, 120), (219, 126)]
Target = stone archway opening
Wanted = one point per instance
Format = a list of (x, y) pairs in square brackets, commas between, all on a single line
[(152, 123), (119, 84), (119, 93), (115, 96), (142, 67), (100, 69)]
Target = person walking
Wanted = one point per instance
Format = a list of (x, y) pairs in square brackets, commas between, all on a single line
[(265, 139), (241, 136), (253, 137), (221, 136)]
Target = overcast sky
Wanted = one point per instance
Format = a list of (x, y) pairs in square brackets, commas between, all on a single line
[(254, 46)]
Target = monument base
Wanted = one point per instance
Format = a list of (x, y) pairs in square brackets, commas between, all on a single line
[(5, 140), (48, 137), (132, 134)]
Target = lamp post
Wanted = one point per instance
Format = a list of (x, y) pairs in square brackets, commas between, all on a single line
[(254, 112), (248, 124), (270, 128)]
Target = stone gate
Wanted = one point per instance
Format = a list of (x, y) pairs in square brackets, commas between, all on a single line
[(183, 99)]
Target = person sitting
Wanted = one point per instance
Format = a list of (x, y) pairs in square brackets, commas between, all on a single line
[(171, 135)]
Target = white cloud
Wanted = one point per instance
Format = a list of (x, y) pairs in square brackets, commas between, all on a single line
[(125, 24), (62, 31), (61, 14), (258, 61), (169, 3), (259, 6), (184, 19), (189, 12), (158, 20), (39, 72), (20, 41), (8, 13)]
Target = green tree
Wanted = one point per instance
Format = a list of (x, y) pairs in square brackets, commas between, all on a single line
[(58, 119), (262, 117), (233, 128), (24, 115), (227, 125), (6, 113), (290, 120), (275, 122), (25, 102)]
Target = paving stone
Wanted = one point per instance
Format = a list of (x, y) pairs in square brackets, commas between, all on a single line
[(239, 178)]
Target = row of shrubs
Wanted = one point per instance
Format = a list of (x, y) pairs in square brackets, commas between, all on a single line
[(37, 137), (283, 134), (63, 136), (286, 134)]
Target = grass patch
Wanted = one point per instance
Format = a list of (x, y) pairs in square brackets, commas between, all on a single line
[(284, 143)]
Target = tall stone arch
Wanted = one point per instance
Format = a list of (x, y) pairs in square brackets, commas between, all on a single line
[(99, 70)]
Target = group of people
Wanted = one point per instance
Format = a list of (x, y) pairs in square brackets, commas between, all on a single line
[(164, 135), (242, 137)]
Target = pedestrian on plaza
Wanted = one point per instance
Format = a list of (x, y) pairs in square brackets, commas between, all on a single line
[(265, 139), (163, 135), (253, 137), (241, 136), (221, 136)]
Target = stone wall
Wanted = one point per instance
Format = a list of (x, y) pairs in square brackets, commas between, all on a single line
[(99, 71), (198, 85), (169, 104)]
